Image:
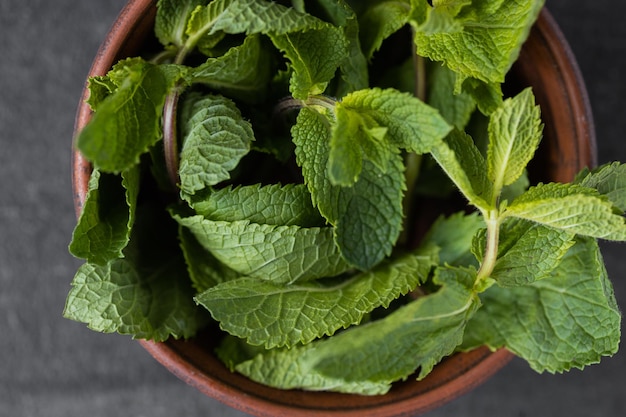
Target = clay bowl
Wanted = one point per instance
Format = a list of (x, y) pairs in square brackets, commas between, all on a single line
[(546, 63)]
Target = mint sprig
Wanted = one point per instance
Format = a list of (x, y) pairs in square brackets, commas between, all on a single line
[(298, 166), (566, 320)]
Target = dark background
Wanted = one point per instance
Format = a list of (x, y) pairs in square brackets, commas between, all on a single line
[(50, 366)]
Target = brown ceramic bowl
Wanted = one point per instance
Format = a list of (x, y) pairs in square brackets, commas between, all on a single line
[(546, 63)]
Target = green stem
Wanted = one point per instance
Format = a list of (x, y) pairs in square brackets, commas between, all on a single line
[(323, 101), (163, 57), (190, 44), (492, 219), (182, 54)]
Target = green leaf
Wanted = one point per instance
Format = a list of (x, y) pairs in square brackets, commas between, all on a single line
[(289, 369), (282, 254), (567, 320), (271, 204), (131, 114), (372, 124), (100, 87), (454, 236), (366, 359), (353, 66), (515, 130), (527, 251), (355, 137), (514, 190), (247, 16), (455, 108), (452, 7), (204, 269), (441, 20), (465, 166), (368, 215), (275, 315), (233, 350), (146, 294), (379, 21), (570, 207), (103, 229), (171, 20), (609, 179), (241, 73), (215, 138), (315, 55), (488, 96), (345, 160), (411, 124), (481, 40), (116, 297)]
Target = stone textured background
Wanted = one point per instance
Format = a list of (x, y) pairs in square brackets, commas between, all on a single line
[(52, 367)]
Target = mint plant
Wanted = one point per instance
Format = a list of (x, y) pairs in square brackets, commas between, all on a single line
[(262, 170)]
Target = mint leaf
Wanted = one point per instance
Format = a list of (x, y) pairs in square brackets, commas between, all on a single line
[(461, 160), (411, 124), (271, 204), (315, 55), (290, 369), (488, 96), (233, 350), (515, 130), (243, 72), (100, 87), (455, 108), (246, 16), (116, 297), (353, 66), (366, 359), (442, 19), (567, 320), (527, 251), (103, 228), (372, 124), (356, 137), (451, 7), (204, 269), (609, 179), (368, 215), (379, 21), (345, 160), (481, 40), (215, 138), (171, 20), (131, 114), (282, 254), (275, 315), (146, 294), (514, 190), (454, 236), (570, 207)]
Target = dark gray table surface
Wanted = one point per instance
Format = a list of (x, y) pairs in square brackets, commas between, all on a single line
[(51, 367)]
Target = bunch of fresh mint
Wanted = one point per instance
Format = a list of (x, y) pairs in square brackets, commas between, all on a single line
[(265, 163)]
